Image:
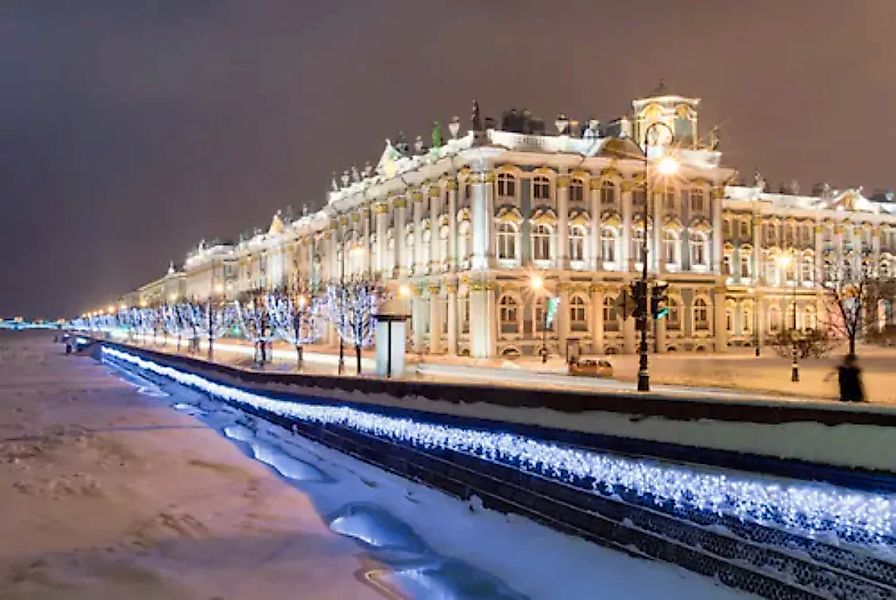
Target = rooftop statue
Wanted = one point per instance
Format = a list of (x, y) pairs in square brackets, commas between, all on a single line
[(476, 117), (437, 135)]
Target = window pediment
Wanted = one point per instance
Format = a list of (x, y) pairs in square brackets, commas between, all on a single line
[(509, 215), (544, 217)]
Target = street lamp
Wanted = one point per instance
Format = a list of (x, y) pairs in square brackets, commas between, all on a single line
[(666, 166), (785, 261)]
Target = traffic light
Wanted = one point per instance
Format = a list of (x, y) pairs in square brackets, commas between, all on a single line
[(659, 300)]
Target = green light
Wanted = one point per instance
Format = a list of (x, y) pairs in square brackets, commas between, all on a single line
[(662, 313)]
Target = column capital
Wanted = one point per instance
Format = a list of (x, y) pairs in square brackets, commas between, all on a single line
[(416, 196), (450, 183), (433, 191), (562, 181), (381, 208)]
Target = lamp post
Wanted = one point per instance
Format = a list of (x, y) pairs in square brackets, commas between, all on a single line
[(784, 262), (666, 167)]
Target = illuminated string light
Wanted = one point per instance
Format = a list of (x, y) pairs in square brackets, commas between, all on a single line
[(852, 516)]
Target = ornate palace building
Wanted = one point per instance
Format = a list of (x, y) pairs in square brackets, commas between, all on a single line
[(466, 224)]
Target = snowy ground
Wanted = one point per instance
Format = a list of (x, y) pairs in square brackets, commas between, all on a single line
[(114, 489)]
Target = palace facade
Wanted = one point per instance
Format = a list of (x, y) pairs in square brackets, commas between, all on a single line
[(466, 224)]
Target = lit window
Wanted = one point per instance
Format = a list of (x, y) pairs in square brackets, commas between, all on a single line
[(576, 190), (541, 242), (697, 199), (608, 194), (701, 314), (698, 249), (506, 185), (509, 311), (611, 322), (608, 245), (541, 188), (506, 235), (673, 317), (578, 315), (576, 243), (670, 247)]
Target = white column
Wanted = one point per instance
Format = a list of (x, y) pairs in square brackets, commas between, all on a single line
[(875, 245), (452, 319), (563, 318), (716, 195), (721, 331), (435, 321), (451, 184), (625, 255), (597, 318), (380, 210), (368, 266), (401, 250), (482, 217), (594, 254), (819, 254), (483, 320), (435, 261), (417, 200), (563, 223), (838, 245)]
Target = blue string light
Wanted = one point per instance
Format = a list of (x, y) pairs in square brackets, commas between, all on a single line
[(850, 515)]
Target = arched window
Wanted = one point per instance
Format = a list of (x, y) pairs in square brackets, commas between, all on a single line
[(578, 313), (747, 324), (541, 242), (509, 313), (701, 314), (745, 264), (639, 197), (729, 319), (698, 243), (671, 248), (541, 188), (576, 242), (771, 234), (809, 320), (807, 269), (697, 200), (668, 200), (726, 264), (576, 190), (771, 270), (611, 321), (506, 235), (608, 245), (506, 184), (608, 194), (673, 317)]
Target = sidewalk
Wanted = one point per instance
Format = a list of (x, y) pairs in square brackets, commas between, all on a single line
[(735, 374)]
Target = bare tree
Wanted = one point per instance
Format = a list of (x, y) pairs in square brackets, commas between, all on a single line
[(293, 312), (254, 321), (855, 297), (352, 307)]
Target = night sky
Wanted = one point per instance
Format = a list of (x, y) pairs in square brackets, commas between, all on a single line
[(131, 130)]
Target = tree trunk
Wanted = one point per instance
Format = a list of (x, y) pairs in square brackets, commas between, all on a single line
[(358, 356), (852, 345), (299, 356)]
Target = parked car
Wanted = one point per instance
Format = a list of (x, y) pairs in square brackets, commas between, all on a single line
[(591, 368)]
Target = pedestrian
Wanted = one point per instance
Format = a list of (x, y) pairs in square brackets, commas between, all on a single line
[(849, 375)]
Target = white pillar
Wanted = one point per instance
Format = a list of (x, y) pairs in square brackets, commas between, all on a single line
[(721, 330), (563, 223), (435, 261), (417, 200), (819, 254), (625, 255), (594, 254), (451, 185), (481, 216), (452, 319), (482, 320), (563, 317), (435, 321), (597, 318), (716, 195), (381, 210), (398, 233)]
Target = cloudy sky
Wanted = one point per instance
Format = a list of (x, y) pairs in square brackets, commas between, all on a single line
[(130, 130)]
